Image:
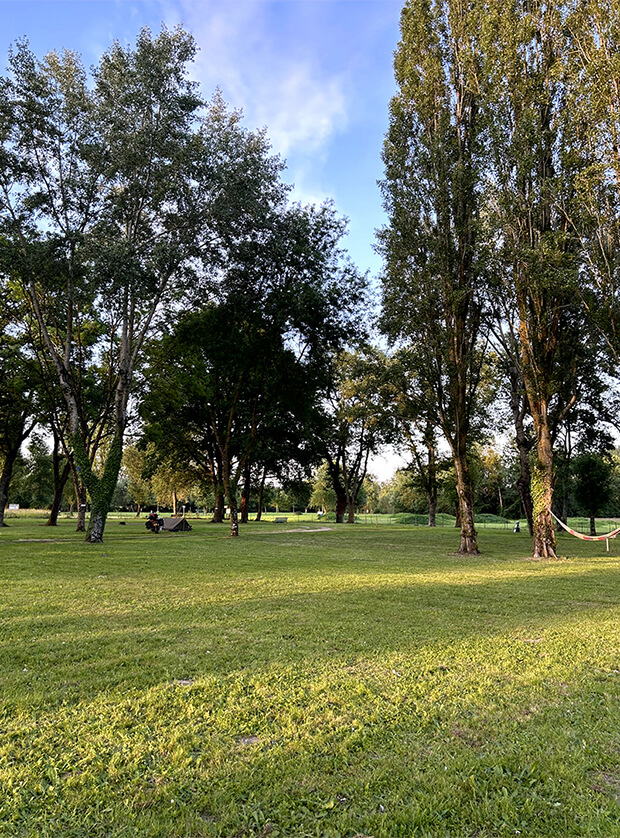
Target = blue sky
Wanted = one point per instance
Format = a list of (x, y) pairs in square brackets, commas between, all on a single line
[(317, 73)]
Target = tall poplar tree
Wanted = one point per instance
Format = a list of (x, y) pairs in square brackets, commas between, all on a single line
[(433, 275), (532, 171)]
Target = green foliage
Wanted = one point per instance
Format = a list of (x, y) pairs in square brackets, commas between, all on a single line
[(489, 518), (32, 484), (135, 466), (323, 497), (399, 495), (592, 482)]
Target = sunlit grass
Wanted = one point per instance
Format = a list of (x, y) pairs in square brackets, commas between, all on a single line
[(358, 681)]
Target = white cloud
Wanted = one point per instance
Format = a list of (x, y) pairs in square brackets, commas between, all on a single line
[(268, 72), (301, 110)]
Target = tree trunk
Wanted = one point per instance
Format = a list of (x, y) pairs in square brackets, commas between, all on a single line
[(431, 476), (218, 509), (60, 481), (80, 499), (592, 525), (101, 489), (464, 488), (523, 441), (245, 495), (261, 492), (432, 510), (341, 506), (351, 513), (234, 519), (20, 432), (542, 493), (5, 479)]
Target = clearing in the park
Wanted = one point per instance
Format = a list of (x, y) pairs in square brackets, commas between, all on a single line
[(353, 681)]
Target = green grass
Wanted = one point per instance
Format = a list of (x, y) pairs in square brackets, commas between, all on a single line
[(363, 681)]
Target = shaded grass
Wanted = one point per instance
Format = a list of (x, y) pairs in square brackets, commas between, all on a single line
[(362, 681)]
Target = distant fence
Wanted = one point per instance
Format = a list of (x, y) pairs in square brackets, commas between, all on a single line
[(483, 521)]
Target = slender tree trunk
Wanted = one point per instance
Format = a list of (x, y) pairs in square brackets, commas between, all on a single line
[(220, 504), (465, 492), (5, 479), (60, 481), (80, 501), (431, 478), (351, 511), (20, 432), (432, 509), (335, 474), (524, 443), (234, 518), (592, 525), (261, 493), (245, 494)]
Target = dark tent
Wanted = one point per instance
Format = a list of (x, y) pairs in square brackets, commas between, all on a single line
[(176, 525)]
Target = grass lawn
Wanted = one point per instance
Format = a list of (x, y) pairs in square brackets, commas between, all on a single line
[(362, 681)]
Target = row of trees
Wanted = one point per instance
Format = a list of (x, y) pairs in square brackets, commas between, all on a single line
[(587, 485), (503, 198)]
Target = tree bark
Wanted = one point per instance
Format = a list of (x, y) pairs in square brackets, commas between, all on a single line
[(60, 481), (524, 446), (245, 495), (101, 489), (341, 507), (525, 490), (592, 525), (80, 495), (432, 510), (351, 511), (218, 509), (431, 476), (261, 492), (20, 431), (469, 536), (234, 518), (5, 479), (542, 488)]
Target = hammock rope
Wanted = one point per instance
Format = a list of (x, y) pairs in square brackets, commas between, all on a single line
[(583, 537)]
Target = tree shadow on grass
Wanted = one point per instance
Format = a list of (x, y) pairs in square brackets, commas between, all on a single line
[(60, 656)]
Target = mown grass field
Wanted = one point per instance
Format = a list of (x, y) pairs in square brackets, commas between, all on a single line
[(361, 681)]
